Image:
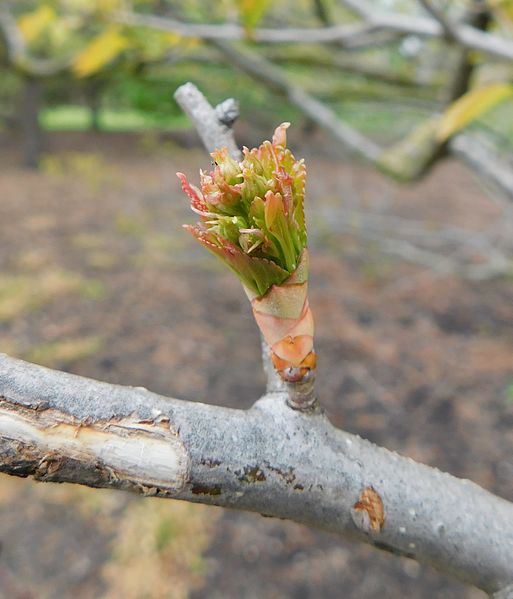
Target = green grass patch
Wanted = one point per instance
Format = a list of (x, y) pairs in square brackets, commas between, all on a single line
[(78, 118), (64, 351), (22, 294)]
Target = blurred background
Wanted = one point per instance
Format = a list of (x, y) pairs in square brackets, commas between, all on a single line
[(411, 283)]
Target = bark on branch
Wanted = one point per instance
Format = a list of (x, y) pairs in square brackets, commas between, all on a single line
[(270, 459)]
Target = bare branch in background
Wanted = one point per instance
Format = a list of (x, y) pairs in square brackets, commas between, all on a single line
[(441, 249), (484, 160), (450, 32), (375, 21), (264, 71), (395, 161), (489, 166), (230, 32), (467, 36)]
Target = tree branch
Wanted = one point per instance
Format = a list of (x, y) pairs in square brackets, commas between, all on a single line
[(375, 22), (342, 34), (271, 459), (406, 161), (214, 134), (450, 32), (483, 159), (466, 35), (264, 71)]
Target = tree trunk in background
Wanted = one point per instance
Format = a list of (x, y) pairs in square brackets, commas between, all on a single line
[(465, 65), (93, 96), (31, 132)]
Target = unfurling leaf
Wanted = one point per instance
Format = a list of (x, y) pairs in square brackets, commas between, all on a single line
[(251, 217), (100, 51), (470, 107), (252, 212)]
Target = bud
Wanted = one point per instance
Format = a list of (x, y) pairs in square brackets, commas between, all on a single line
[(252, 218)]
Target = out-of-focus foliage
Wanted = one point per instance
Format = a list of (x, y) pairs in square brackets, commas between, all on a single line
[(33, 24), (100, 51), (251, 12)]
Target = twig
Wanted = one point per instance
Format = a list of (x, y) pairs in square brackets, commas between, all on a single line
[(483, 161), (214, 134)]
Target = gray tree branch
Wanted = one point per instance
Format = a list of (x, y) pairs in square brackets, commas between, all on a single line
[(351, 34), (394, 161), (466, 35), (449, 31), (375, 22), (270, 459)]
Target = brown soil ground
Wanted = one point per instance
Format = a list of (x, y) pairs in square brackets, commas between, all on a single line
[(97, 278)]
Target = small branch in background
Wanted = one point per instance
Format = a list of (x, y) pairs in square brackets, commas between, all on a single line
[(467, 36), (406, 161), (450, 31), (393, 160), (482, 159), (261, 69), (232, 32), (375, 23), (465, 66), (441, 249)]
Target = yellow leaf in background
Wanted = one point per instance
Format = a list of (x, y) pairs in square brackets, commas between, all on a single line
[(172, 38), (175, 39), (100, 51), (504, 8), (470, 107), (34, 23), (251, 12)]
